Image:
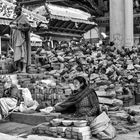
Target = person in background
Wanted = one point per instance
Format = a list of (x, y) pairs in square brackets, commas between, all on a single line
[(10, 98), (82, 103), (41, 56), (20, 29)]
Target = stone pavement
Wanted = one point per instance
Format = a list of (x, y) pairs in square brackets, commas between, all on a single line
[(133, 136), (21, 127), (31, 137), (18, 131), (15, 129)]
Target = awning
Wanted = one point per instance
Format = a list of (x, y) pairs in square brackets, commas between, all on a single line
[(5, 21), (64, 13), (35, 40), (7, 14)]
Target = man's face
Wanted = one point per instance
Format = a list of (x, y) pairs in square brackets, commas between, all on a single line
[(18, 11), (76, 84)]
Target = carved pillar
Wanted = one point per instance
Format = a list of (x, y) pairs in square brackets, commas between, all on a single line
[(117, 22), (129, 33)]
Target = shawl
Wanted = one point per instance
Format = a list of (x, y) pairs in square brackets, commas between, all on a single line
[(69, 104)]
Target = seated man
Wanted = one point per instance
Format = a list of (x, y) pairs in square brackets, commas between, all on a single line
[(10, 98), (40, 56)]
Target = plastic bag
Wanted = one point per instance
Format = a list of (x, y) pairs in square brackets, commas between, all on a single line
[(28, 100), (102, 127), (47, 110), (22, 107), (107, 134)]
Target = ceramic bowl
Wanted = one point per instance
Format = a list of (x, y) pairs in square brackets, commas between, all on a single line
[(66, 122), (80, 123), (56, 122)]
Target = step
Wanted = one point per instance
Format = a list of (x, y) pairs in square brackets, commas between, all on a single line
[(32, 118)]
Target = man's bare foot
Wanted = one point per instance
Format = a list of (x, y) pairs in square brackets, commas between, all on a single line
[(24, 68)]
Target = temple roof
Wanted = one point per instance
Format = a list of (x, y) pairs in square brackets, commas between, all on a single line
[(90, 6), (64, 20), (64, 13)]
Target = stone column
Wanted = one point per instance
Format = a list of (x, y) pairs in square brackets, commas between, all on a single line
[(129, 33), (117, 22)]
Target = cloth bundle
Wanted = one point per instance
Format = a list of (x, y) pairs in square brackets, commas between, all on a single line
[(102, 127)]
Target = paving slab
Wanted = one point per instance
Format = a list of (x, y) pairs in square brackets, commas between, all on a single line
[(9, 137), (15, 129), (31, 118), (18, 131), (31, 137), (23, 124)]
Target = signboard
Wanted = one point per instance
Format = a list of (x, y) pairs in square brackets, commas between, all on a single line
[(7, 11)]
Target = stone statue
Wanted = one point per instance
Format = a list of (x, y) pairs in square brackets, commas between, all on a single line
[(20, 36)]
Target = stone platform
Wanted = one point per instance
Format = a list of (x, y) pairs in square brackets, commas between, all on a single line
[(21, 124), (31, 118), (18, 131)]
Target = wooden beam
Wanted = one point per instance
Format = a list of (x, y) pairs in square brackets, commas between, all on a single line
[(66, 23), (58, 34), (29, 2), (63, 23), (70, 25), (58, 23), (88, 27), (53, 22), (80, 25), (73, 26), (67, 29), (52, 1), (83, 27)]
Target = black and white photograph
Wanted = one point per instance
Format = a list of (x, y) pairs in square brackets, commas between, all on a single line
[(69, 69)]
